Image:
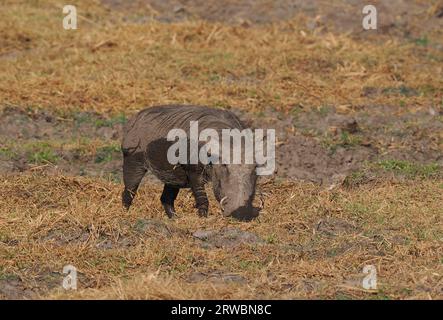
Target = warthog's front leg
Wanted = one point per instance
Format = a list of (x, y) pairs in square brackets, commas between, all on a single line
[(199, 192), (133, 173), (168, 197)]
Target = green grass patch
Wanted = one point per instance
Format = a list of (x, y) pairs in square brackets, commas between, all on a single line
[(98, 121), (375, 171), (344, 139), (119, 119), (41, 152), (401, 90), (106, 153), (409, 169), (7, 153), (323, 110), (422, 41)]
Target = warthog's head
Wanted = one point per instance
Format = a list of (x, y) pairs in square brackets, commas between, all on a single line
[(234, 189)]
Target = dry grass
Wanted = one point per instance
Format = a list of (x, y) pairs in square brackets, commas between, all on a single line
[(110, 65), (314, 242)]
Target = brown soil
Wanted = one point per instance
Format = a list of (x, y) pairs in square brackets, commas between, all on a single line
[(325, 145), (317, 146)]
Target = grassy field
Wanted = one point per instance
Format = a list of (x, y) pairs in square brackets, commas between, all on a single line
[(308, 242), (64, 96), (108, 65)]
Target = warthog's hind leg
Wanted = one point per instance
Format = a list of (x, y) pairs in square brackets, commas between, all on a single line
[(168, 197)]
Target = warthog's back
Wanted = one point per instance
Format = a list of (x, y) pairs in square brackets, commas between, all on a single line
[(147, 131), (154, 123)]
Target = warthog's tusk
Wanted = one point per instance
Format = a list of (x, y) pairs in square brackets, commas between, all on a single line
[(221, 203)]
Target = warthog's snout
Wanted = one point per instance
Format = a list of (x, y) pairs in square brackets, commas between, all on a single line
[(245, 212)]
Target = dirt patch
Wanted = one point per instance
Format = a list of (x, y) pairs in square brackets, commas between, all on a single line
[(326, 145), (323, 146), (144, 228), (225, 238), (395, 18), (150, 227), (14, 289), (334, 226), (103, 242), (67, 235), (230, 11)]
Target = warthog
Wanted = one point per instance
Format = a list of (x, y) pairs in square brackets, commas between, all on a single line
[(145, 147)]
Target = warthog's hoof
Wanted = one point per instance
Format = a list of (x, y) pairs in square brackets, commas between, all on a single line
[(127, 198), (203, 212), (169, 209)]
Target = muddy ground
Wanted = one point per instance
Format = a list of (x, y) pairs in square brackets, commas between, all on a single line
[(323, 146)]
